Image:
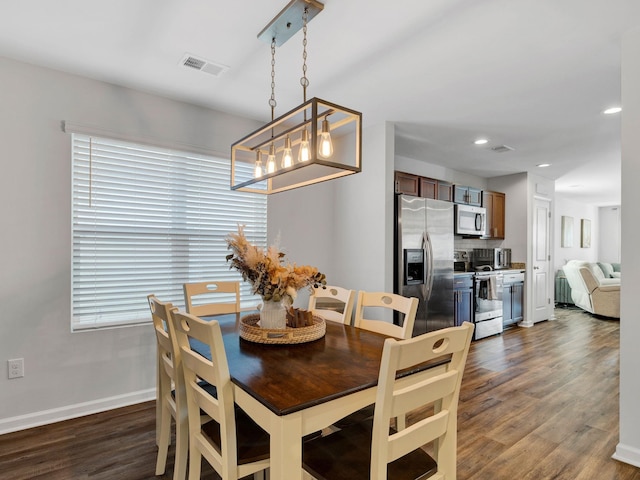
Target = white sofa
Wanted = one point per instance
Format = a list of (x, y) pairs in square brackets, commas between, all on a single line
[(591, 290)]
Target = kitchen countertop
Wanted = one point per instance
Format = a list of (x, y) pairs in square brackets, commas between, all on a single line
[(506, 270)]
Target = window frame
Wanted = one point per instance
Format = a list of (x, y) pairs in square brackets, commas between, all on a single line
[(147, 219)]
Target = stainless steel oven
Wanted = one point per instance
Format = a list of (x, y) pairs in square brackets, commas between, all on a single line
[(487, 293)]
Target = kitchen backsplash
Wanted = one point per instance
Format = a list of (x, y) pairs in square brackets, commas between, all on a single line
[(460, 243)]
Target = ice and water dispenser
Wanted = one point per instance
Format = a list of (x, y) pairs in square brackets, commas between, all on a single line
[(413, 266)]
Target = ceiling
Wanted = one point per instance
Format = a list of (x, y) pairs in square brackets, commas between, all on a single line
[(531, 74)]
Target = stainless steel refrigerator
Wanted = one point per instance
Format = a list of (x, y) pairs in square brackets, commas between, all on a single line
[(424, 259)]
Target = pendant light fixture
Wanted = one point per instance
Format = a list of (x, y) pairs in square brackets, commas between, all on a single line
[(326, 145), (316, 141)]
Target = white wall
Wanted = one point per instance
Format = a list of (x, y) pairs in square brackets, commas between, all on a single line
[(345, 226), (364, 223), (301, 222), (628, 448), (517, 229), (577, 211), (609, 234), (425, 169), (70, 373)]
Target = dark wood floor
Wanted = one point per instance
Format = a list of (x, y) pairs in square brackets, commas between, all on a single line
[(536, 403)]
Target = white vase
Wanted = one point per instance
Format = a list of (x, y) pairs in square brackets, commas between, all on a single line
[(273, 315)]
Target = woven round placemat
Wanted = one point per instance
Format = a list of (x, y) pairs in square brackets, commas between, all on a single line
[(251, 331)]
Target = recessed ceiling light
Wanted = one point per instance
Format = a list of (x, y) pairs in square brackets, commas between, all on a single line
[(542, 165), (612, 110), (481, 141)]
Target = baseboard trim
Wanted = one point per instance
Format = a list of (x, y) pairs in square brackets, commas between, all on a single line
[(627, 454), (45, 417)]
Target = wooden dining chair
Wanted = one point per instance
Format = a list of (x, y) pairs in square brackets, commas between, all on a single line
[(202, 298), (168, 404), (331, 296), (233, 444), (408, 306), (371, 450)]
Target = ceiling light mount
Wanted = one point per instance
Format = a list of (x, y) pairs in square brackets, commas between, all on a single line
[(289, 21), (327, 136)]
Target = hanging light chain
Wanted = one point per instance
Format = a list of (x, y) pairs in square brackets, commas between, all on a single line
[(272, 100), (304, 81)]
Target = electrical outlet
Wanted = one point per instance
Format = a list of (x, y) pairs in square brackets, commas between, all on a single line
[(16, 368)]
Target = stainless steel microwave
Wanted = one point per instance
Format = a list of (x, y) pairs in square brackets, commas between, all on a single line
[(470, 220)]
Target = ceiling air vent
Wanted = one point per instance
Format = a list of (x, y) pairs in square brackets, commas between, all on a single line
[(502, 148), (207, 66)]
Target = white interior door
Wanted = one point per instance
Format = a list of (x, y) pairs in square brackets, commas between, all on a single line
[(541, 260)]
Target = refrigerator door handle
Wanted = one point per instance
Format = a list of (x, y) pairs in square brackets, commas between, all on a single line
[(428, 261)]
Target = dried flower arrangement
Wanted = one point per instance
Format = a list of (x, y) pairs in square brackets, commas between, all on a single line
[(269, 277)]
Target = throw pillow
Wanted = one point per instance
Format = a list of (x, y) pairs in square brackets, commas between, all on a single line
[(606, 268)]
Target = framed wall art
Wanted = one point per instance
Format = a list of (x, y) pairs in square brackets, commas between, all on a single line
[(567, 232), (585, 233)]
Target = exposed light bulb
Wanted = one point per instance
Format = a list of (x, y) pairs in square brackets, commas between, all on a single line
[(326, 146), (481, 141), (271, 159), (287, 154), (304, 154), (612, 110), (257, 171)]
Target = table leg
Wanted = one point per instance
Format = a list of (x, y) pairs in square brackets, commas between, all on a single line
[(286, 447)]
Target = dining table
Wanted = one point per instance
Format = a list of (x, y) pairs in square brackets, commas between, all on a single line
[(293, 390)]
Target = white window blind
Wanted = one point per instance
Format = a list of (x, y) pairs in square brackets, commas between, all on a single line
[(146, 220)]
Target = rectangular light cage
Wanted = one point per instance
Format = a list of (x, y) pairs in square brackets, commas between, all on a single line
[(345, 128)]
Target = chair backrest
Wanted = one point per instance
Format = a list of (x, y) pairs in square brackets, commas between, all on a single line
[(215, 372), (167, 368), (407, 306), (206, 293), (396, 397), (342, 297)]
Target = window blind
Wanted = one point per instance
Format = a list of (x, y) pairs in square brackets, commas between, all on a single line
[(146, 220)]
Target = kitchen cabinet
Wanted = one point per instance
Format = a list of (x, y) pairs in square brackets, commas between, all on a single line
[(428, 187), (436, 189), (494, 202), (407, 183), (512, 298), (462, 299), (467, 195), (445, 191)]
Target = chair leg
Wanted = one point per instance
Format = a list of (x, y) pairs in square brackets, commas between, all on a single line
[(182, 449), (163, 433), (195, 462)]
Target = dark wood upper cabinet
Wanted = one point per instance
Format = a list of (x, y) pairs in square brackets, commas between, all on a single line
[(445, 191), (428, 187), (412, 184), (407, 183), (494, 202)]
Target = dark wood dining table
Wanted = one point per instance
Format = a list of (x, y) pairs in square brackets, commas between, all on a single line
[(294, 390)]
